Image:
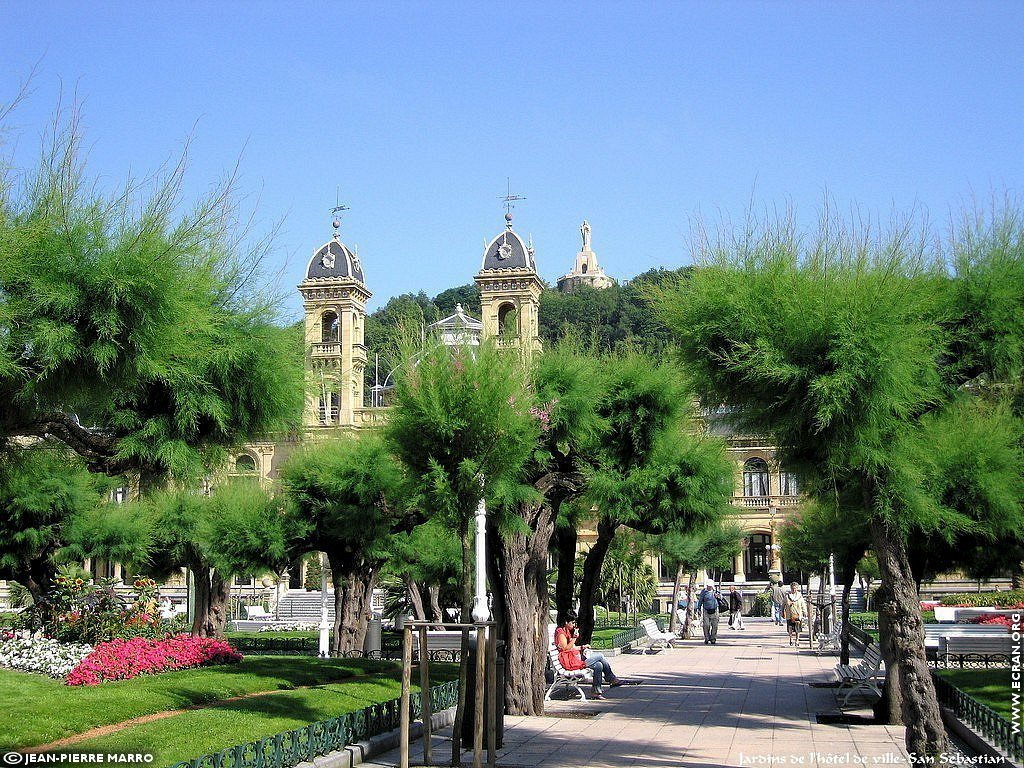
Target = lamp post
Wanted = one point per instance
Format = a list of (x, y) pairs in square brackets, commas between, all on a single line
[(325, 628), (480, 610)]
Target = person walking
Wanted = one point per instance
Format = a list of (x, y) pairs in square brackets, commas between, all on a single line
[(735, 608), (795, 611), (778, 600), (708, 601), (572, 656)]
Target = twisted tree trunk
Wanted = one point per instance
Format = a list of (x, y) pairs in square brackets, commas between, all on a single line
[(909, 687), (212, 593), (353, 578), (673, 618)]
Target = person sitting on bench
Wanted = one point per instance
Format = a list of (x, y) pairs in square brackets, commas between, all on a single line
[(572, 656)]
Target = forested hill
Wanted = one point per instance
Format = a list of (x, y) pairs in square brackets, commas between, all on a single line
[(607, 319)]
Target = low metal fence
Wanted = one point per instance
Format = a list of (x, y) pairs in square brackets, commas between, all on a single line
[(618, 640), (289, 748), (982, 719)]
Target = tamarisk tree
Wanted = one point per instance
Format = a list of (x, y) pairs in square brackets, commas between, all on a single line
[(841, 346)]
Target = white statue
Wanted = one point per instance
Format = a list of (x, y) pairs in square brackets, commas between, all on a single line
[(585, 231)]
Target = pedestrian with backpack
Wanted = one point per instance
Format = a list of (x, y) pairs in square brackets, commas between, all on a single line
[(711, 605)]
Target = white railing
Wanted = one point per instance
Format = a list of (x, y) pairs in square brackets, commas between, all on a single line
[(764, 502)]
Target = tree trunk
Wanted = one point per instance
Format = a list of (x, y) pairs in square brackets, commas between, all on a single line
[(688, 618), (518, 575), (466, 617), (592, 575), (673, 618), (415, 599), (437, 614), (212, 593), (902, 647), (565, 544), (353, 579)]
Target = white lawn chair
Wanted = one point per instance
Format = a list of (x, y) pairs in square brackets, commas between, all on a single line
[(658, 638)]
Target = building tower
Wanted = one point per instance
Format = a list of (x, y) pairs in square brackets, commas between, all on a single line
[(334, 296), (510, 292), (586, 270)]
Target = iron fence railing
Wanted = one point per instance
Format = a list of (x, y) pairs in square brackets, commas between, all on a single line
[(618, 640), (310, 646), (982, 719), (289, 748)]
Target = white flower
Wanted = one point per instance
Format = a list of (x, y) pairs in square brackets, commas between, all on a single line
[(45, 656)]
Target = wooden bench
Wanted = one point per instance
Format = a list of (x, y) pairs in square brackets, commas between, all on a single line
[(862, 676), (658, 638)]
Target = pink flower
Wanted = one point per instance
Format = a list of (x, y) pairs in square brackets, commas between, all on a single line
[(125, 659)]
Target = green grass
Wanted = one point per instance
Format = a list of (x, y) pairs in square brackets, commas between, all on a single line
[(38, 709), (989, 686), (606, 634), (191, 734)]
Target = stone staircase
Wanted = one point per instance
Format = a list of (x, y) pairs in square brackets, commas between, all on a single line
[(300, 605)]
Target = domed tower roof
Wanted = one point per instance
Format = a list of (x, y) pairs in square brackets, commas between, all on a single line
[(334, 260), (508, 251)]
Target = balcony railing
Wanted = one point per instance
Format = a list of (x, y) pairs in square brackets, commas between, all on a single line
[(764, 502), (327, 349)]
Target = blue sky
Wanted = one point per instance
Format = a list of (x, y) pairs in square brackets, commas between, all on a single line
[(640, 117)]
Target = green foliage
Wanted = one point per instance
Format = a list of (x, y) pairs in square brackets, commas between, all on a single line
[(429, 554), (626, 572), (148, 327), (710, 548), (608, 320), (463, 428), (762, 605), (345, 494), (42, 491), (1013, 598), (244, 529), (836, 344)]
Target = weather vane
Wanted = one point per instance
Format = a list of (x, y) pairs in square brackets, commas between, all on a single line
[(509, 199), (336, 210)]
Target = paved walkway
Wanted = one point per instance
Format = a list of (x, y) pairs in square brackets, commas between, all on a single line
[(744, 701)]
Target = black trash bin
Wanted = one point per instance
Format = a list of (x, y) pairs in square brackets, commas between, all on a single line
[(499, 699)]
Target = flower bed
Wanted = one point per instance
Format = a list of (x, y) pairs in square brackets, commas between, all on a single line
[(125, 659), (996, 621), (290, 626), (45, 656)]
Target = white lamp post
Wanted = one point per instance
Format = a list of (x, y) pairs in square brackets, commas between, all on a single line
[(325, 628), (480, 609)]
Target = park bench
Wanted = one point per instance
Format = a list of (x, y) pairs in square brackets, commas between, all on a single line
[(658, 638), (442, 645), (863, 676), (565, 678), (980, 646), (934, 633)]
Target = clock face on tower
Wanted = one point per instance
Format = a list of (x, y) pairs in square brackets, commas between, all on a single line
[(328, 260), (504, 251)]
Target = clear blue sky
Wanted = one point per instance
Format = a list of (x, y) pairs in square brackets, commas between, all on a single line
[(635, 116)]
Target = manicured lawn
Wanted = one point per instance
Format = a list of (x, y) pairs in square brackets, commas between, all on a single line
[(38, 709), (605, 634), (989, 686), (191, 734)]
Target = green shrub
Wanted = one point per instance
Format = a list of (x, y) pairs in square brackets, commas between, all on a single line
[(1013, 598), (762, 605)]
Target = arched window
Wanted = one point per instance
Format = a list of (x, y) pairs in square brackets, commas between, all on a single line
[(330, 328), (755, 478), (508, 321), (245, 465), (584, 270)]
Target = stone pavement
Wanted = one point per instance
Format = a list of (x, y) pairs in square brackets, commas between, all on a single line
[(744, 701)]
